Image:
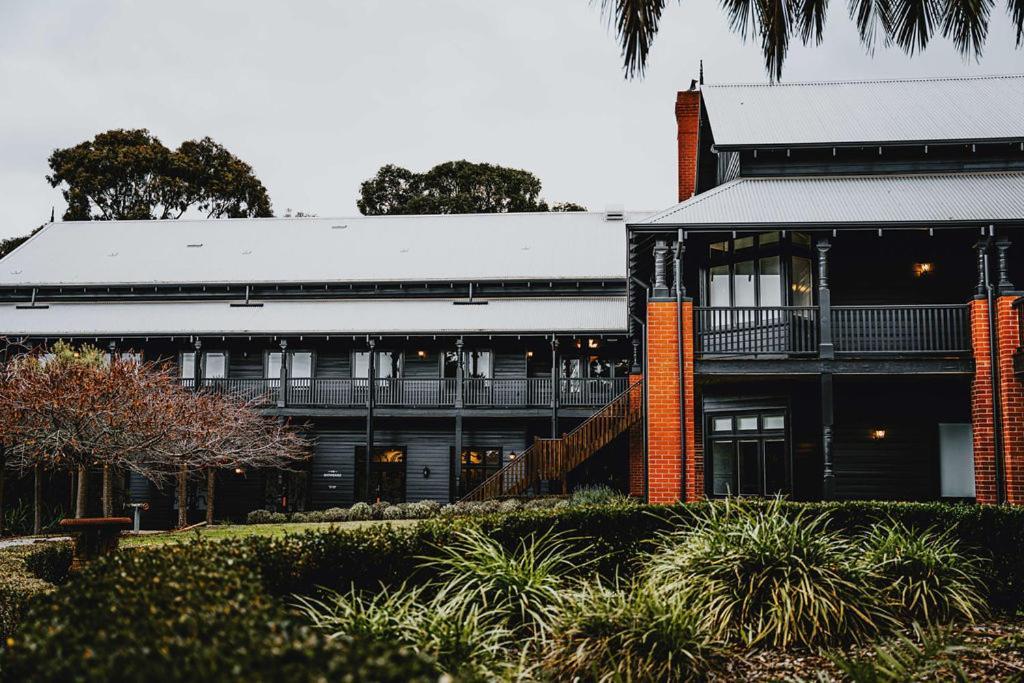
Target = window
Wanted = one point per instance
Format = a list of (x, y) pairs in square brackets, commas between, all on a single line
[(387, 474), (802, 294), (476, 364), (749, 454), (215, 365), (300, 365), (124, 357), (477, 465), (765, 270), (387, 364)]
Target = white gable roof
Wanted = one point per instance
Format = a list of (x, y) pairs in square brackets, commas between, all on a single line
[(556, 246), (887, 111)]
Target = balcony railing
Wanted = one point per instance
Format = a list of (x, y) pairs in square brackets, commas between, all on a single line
[(517, 392), (939, 329), (748, 330)]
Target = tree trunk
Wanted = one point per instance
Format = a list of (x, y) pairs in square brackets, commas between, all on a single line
[(108, 493), (3, 469), (82, 498), (182, 496), (211, 481), (37, 500)]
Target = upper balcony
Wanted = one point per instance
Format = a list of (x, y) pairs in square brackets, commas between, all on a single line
[(851, 331), (438, 393)]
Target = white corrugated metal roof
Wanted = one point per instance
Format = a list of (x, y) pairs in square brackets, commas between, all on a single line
[(973, 109), (373, 316), (366, 248), (953, 197)]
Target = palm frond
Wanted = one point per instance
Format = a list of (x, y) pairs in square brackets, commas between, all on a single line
[(775, 18), (913, 23), (636, 24), (965, 22), (873, 18), (741, 16), (1016, 9), (812, 15)]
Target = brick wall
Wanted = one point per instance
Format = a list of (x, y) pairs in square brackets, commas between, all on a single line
[(664, 452), (1011, 404), (688, 125), (1011, 400)]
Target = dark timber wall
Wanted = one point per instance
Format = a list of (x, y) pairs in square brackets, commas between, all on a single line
[(904, 465)]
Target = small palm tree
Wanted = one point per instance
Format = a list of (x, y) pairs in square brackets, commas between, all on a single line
[(908, 24)]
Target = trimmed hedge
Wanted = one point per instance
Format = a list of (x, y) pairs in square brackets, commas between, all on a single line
[(26, 574), (185, 615), (153, 603)]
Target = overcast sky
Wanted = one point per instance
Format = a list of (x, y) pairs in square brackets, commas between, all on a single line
[(318, 95)]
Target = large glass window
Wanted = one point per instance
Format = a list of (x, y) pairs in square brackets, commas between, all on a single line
[(300, 365), (215, 365), (764, 270), (801, 286), (387, 364), (477, 364), (749, 455), (477, 465)]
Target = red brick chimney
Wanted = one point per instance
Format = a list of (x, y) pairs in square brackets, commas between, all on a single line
[(688, 122)]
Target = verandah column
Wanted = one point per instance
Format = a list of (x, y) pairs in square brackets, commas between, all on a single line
[(1011, 389), (667, 450)]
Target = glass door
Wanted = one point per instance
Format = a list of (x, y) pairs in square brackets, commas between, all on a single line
[(387, 475)]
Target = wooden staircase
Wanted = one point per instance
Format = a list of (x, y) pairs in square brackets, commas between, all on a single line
[(553, 459)]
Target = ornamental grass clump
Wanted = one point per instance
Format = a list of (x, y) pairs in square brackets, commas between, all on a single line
[(598, 494), (463, 643), (606, 634), (768, 579), (525, 586), (923, 575)]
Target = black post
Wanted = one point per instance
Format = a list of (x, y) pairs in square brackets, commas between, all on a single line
[(460, 375), (661, 288), (1003, 265), (554, 387), (825, 346), (371, 385), (282, 394), (828, 489), (197, 367)]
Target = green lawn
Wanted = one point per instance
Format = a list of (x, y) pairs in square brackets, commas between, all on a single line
[(222, 531)]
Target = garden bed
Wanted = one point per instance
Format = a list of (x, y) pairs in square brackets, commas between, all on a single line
[(180, 609)]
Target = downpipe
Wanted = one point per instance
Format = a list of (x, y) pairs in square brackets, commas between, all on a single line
[(679, 365), (993, 351)]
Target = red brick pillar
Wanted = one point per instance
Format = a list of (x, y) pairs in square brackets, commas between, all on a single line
[(664, 448), (982, 406), (1011, 403), (636, 442), (1011, 400)]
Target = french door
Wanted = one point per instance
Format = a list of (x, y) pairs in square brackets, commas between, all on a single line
[(749, 454)]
